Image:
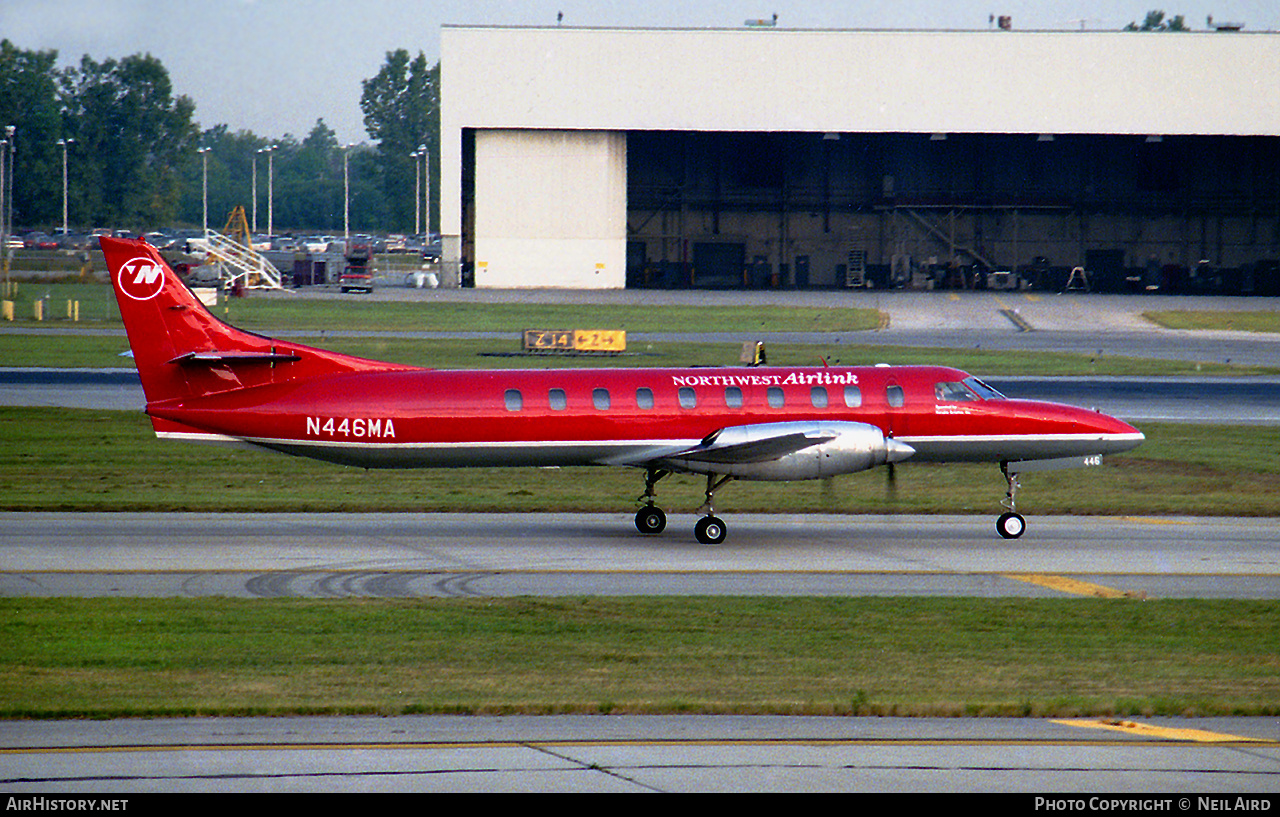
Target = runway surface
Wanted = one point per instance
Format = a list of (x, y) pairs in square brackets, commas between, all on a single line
[(1133, 764), (406, 555)]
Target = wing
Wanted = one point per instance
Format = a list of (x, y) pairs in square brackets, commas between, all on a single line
[(752, 444), (783, 451)]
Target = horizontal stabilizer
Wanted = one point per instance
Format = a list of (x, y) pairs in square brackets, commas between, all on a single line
[(219, 358)]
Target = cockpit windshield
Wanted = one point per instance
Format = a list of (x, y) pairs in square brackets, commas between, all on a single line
[(983, 391)]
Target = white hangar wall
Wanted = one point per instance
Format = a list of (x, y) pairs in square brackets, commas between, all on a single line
[(550, 209), (547, 206)]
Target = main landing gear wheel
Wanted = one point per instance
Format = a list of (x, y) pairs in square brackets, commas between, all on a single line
[(710, 530), (651, 519), (1011, 525)]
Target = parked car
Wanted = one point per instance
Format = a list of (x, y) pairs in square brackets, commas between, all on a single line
[(76, 241), (161, 241), (39, 241)]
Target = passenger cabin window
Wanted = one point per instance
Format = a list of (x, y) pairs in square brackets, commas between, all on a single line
[(513, 399), (557, 399), (600, 399), (818, 396), (776, 398), (852, 396), (952, 393), (688, 398), (894, 396), (644, 398), (733, 397)]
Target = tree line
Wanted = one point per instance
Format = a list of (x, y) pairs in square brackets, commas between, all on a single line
[(133, 162)]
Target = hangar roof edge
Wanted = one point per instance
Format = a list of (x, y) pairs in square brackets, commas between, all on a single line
[(765, 30)]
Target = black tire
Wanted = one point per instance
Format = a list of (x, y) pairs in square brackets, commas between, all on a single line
[(710, 530), (1011, 525), (650, 519)]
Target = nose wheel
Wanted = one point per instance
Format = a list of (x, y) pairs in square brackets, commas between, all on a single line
[(1010, 524)]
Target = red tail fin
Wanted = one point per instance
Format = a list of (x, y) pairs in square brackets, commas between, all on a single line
[(183, 351)]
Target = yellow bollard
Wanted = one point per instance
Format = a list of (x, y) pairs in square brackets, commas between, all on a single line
[(76, 316), (6, 310), (37, 307)]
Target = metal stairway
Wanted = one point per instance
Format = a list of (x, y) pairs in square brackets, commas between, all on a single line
[(942, 236), (231, 251)]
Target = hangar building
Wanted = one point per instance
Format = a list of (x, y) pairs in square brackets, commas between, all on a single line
[(763, 157)]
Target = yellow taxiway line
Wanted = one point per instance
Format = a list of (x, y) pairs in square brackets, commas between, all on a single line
[(1149, 731), (1072, 586)]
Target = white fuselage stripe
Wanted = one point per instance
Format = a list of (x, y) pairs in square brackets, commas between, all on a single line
[(923, 441)]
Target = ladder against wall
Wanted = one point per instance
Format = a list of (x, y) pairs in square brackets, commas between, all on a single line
[(855, 274)]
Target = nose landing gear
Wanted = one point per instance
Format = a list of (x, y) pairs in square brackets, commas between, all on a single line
[(1010, 524)]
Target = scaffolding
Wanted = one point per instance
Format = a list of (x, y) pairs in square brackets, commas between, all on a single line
[(231, 252)]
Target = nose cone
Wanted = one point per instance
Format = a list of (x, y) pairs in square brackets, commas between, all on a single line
[(1115, 434)]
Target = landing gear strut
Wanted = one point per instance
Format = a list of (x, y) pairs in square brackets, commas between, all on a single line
[(650, 518), (710, 529), (1010, 524)]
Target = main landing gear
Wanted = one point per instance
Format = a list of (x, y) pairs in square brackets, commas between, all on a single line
[(650, 518), (1010, 524), (709, 530)]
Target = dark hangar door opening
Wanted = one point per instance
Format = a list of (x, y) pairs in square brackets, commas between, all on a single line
[(948, 210)]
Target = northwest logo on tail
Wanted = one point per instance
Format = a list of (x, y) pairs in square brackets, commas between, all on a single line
[(141, 278)]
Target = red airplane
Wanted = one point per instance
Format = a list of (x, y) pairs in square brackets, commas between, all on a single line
[(209, 382)]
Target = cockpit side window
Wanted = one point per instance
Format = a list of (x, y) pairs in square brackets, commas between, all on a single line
[(952, 393), (983, 391)]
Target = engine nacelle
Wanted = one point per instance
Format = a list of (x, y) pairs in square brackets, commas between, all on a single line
[(838, 448)]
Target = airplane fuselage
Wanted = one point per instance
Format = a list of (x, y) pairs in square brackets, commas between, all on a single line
[(432, 418)]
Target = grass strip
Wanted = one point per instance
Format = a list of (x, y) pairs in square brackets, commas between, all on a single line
[(97, 351), (281, 312), (852, 656), (1242, 321)]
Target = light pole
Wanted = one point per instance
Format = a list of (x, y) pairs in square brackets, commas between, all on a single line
[(270, 150), (64, 143), (254, 193), (346, 198), (204, 187), (417, 189), (6, 209), (426, 195)]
